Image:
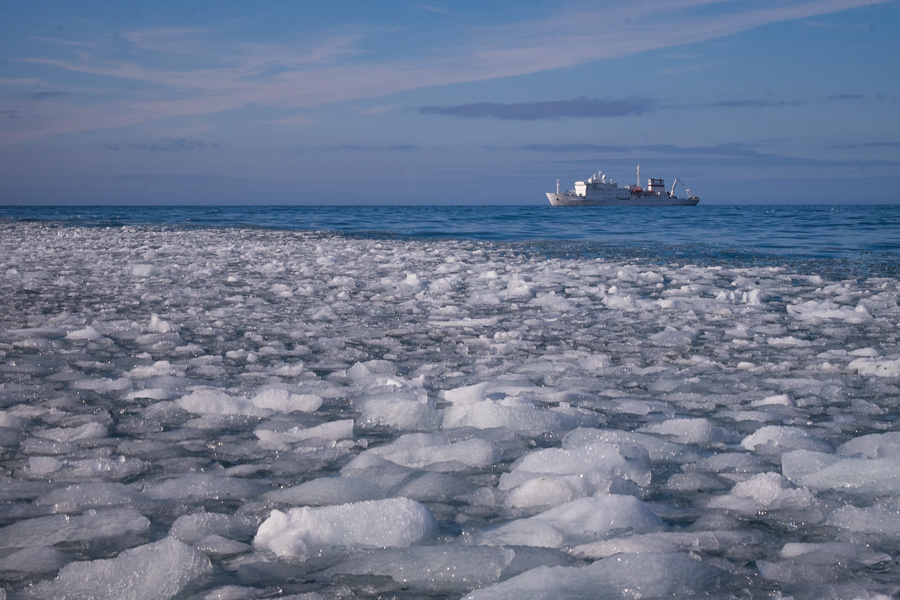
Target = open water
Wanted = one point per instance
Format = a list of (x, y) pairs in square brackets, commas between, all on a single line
[(341, 403), (844, 238)]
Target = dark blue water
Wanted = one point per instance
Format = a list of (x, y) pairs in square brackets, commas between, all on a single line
[(844, 241)]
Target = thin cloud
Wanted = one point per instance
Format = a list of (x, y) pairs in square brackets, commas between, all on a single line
[(190, 72), (752, 103), (846, 97), (720, 154), (47, 95), (554, 109), (165, 145)]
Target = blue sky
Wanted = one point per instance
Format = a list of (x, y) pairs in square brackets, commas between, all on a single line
[(355, 102)]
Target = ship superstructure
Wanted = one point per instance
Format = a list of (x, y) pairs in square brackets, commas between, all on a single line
[(598, 190)]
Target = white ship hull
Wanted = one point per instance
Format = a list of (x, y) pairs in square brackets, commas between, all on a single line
[(563, 199), (600, 191)]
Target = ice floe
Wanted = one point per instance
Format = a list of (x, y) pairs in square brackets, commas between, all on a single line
[(247, 413)]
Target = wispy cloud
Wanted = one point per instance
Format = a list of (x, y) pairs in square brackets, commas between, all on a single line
[(552, 109), (752, 103), (742, 154), (166, 145), (362, 148), (846, 97), (180, 72)]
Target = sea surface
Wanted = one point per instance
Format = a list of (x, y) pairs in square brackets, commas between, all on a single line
[(342, 403), (856, 240)]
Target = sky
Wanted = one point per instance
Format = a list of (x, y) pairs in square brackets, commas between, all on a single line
[(438, 102)]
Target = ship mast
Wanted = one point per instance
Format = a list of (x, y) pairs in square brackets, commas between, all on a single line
[(639, 176)]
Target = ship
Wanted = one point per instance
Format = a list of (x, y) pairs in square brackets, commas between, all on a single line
[(598, 190)]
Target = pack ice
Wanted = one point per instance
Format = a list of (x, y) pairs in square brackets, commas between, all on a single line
[(247, 413)]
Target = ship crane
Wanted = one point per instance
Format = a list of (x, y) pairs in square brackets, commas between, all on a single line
[(686, 191)]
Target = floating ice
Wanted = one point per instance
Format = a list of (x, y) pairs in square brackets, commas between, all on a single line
[(576, 522), (409, 407), (881, 519), (876, 366), (198, 486), (335, 430), (555, 476), (33, 559), (874, 445), (649, 575), (303, 532), (92, 525), (765, 492), (432, 451), (667, 541), (691, 431), (155, 571), (81, 496), (476, 406), (445, 568), (190, 529), (866, 477), (774, 439)]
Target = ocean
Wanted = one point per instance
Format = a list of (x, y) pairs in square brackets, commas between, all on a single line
[(862, 237), (449, 402)]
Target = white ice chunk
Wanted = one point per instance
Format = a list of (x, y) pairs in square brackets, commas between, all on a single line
[(87, 333), (331, 431), (443, 567), (88, 469), (691, 431), (881, 519), (554, 476), (876, 366), (865, 477), (647, 575), (205, 486), (466, 395), (763, 492), (80, 496), (671, 337), (87, 431), (659, 449), (34, 559), (814, 310), (399, 413), (304, 532), (192, 528), (577, 522), (511, 412), (775, 439), (324, 491), (143, 270), (157, 571), (157, 325), (92, 525), (433, 451), (668, 541), (215, 402), (11, 421), (284, 401), (875, 445), (834, 552), (103, 384), (776, 400)]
